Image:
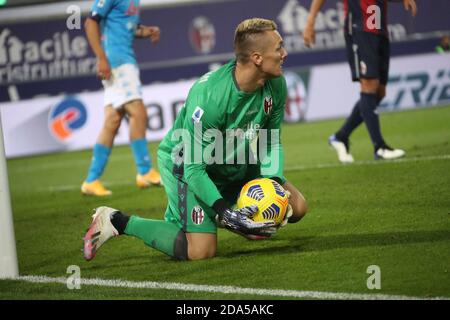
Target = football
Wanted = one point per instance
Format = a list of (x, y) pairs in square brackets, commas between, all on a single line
[(268, 195)]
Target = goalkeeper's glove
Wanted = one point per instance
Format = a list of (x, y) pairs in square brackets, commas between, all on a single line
[(240, 221)]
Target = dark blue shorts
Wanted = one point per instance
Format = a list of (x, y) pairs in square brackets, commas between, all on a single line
[(368, 56)]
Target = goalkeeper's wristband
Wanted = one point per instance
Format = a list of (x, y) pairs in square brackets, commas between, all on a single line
[(220, 206)]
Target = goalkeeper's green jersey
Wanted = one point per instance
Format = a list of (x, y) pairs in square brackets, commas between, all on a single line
[(220, 125)]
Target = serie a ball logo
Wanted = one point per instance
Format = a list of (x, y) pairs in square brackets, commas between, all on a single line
[(268, 195)]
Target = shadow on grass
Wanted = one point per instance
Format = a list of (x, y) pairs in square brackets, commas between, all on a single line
[(331, 242), (283, 244)]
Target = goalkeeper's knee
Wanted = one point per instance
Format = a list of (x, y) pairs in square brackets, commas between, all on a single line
[(201, 245)]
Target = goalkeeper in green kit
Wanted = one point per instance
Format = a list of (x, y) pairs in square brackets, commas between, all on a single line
[(227, 134)]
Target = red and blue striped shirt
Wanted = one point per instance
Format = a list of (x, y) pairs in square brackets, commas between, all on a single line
[(366, 15)]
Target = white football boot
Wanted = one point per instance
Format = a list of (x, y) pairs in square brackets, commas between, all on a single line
[(388, 153), (341, 149), (100, 231)]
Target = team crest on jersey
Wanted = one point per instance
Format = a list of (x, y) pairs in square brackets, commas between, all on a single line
[(268, 104), (197, 215), (197, 114)]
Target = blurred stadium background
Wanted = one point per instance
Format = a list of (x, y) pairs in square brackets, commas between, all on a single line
[(47, 76)]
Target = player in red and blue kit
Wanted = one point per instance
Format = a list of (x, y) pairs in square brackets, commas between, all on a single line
[(368, 50), (111, 29)]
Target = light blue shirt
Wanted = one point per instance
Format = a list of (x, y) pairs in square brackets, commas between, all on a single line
[(117, 26)]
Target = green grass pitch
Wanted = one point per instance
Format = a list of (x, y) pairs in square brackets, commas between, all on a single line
[(395, 215)]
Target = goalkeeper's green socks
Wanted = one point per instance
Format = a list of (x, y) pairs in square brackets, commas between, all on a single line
[(159, 234)]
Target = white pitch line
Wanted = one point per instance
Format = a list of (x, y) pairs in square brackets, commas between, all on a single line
[(225, 289), (287, 169)]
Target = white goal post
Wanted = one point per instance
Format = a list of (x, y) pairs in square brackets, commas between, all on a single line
[(8, 255)]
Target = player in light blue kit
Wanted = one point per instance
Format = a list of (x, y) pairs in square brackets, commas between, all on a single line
[(111, 29)]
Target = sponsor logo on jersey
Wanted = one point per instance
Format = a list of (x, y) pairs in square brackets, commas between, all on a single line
[(197, 114), (197, 215), (67, 117), (268, 103)]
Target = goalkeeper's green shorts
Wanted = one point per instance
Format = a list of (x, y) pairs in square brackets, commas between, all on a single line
[(187, 211), (184, 209)]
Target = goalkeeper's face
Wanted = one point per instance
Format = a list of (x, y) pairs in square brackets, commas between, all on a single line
[(273, 54)]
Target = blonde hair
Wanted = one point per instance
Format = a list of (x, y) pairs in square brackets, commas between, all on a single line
[(244, 36)]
